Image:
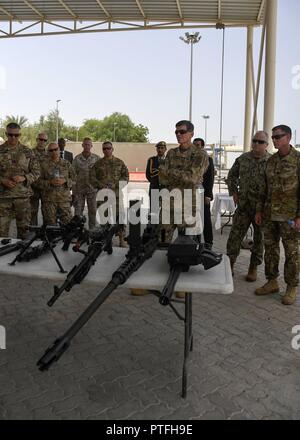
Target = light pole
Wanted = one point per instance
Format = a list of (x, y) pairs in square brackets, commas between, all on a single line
[(115, 125), (191, 39), (57, 101), (205, 117)]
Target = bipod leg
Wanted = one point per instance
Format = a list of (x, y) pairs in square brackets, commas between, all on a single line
[(188, 340), (23, 250), (61, 269)]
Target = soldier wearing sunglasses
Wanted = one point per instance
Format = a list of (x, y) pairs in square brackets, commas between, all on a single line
[(245, 178), (18, 170), (280, 202), (55, 183), (40, 152)]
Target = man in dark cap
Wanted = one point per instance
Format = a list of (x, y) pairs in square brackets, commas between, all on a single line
[(153, 163)]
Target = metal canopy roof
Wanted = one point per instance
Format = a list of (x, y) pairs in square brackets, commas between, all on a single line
[(109, 15)]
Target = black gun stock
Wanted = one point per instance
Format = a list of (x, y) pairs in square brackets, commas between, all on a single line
[(101, 240), (183, 253), (133, 261)]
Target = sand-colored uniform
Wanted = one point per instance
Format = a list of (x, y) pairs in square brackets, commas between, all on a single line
[(83, 190)]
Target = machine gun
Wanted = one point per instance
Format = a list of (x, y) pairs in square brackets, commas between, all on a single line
[(100, 240), (12, 247), (140, 249), (49, 237), (184, 252)]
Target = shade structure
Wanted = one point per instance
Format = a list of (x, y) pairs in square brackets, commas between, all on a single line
[(36, 17)]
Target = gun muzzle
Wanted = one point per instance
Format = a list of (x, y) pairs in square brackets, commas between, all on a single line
[(53, 353)]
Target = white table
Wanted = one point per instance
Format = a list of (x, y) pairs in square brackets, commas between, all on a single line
[(217, 280), (223, 206)]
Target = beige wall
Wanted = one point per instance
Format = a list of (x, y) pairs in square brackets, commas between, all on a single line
[(134, 155)]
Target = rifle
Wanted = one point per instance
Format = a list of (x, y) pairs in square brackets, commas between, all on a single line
[(12, 247), (184, 252), (134, 259), (101, 240), (49, 237)]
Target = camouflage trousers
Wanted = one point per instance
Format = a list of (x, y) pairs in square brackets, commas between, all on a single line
[(79, 204), (18, 209), (242, 220), (54, 210), (290, 239), (35, 202)]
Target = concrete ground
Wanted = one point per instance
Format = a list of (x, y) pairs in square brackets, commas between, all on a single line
[(126, 363)]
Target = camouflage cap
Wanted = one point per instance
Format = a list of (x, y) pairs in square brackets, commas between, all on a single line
[(161, 144)]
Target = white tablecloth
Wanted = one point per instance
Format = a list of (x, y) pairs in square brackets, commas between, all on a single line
[(223, 202), (152, 275)]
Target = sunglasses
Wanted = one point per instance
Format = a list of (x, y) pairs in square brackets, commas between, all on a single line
[(258, 141), (42, 140), (106, 148), (13, 135), (54, 149), (181, 131), (278, 136)]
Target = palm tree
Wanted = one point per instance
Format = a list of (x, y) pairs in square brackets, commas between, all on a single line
[(21, 120)]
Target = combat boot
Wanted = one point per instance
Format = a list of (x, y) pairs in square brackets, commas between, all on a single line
[(180, 294), (252, 273), (139, 292), (270, 287), (290, 296)]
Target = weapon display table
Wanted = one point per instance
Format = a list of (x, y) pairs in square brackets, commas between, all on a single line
[(217, 280)]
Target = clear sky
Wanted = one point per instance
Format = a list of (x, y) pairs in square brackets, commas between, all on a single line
[(145, 74)]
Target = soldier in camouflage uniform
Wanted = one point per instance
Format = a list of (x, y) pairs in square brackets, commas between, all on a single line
[(244, 181), (280, 202), (82, 190), (18, 170), (40, 153), (107, 173), (55, 182), (183, 170)]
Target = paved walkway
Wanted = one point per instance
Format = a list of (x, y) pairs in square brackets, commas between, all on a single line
[(126, 363)]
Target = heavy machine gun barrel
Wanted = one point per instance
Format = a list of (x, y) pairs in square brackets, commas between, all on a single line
[(133, 261)]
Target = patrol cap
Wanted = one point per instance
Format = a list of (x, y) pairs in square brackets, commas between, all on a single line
[(161, 144)]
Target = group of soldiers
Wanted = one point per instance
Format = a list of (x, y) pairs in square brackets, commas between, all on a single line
[(265, 189), (49, 174)]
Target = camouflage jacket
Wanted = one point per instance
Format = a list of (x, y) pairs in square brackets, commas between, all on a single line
[(246, 177), (18, 161), (183, 170), (280, 195), (49, 170), (40, 155), (107, 173), (82, 167)]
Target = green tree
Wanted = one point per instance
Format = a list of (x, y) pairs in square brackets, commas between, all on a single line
[(116, 127)]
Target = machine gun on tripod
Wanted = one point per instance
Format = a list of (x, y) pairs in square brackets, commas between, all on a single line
[(49, 237), (141, 248), (100, 240), (183, 253)]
